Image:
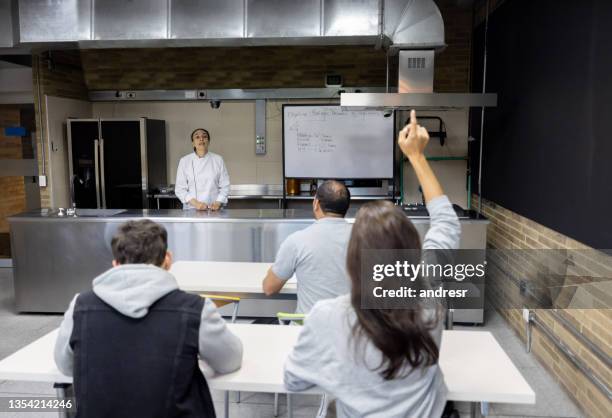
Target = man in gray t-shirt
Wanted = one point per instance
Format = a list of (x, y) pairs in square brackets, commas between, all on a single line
[(316, 254)]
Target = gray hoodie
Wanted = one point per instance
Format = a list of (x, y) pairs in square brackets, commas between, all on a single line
[(131, 289), (325, 355)]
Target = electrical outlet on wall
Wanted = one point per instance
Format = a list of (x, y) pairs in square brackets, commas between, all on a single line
[(526, 314), (260, 145)]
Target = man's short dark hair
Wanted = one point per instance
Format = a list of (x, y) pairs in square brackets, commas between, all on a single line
[(140, 242), (334, 197)]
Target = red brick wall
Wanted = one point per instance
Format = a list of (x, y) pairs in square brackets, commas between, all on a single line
[(509, 230), (10, 146), (12, 197), (244, 67)]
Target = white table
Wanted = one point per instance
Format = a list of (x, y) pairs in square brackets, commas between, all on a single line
[(225, 277), (475, 367), (243, 279), (467, 360)]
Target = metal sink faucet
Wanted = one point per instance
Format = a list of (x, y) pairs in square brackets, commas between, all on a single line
[(72, 197)]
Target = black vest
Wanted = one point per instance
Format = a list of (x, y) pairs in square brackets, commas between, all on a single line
[(139, 367)]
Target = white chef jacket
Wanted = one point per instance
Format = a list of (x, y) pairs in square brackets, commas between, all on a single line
[(202, 178)]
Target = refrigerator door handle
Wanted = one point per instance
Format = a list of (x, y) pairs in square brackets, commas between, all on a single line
[(102, 173), (97, 171)]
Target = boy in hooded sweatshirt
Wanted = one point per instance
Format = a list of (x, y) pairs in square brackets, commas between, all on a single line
[(132, 343)]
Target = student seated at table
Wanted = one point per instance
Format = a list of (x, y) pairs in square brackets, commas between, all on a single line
[(132, 343), (380, 362), (316, 254)]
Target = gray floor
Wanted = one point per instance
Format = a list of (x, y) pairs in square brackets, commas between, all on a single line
[(17, 331)]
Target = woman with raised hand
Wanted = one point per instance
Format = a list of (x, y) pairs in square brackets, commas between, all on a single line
[(380, 362)]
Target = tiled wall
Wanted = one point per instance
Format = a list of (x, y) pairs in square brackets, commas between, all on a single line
[(509, 230)]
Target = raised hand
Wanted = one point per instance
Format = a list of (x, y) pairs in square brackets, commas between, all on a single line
[(413, 139)]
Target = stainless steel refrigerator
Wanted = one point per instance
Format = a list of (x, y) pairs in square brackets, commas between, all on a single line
[(115, 162)]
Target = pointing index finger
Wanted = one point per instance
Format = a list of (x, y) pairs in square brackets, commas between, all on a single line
[(413, 121)]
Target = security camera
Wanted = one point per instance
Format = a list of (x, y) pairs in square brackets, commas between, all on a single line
[(215, 104)]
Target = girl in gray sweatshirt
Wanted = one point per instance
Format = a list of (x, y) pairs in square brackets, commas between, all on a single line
[(380, 362)]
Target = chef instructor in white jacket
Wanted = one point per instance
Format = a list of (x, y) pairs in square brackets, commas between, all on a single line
[(202, 181)]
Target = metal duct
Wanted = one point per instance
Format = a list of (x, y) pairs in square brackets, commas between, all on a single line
[(159, 23), (196, 19), (415, 24), (44, 21), (130, 20), (9, 33)]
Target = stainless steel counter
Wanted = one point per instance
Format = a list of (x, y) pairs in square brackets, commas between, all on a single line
[(55, 257), (179, 215), (171, 215)]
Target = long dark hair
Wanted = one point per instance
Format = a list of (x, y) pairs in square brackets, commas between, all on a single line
[(402, 335)]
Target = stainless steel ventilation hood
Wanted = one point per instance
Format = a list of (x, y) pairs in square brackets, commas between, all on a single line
[(415, 89), (394, 24), (417, 100), (9, 33), (169, 23)]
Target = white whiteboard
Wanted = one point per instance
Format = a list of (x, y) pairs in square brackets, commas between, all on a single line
[(328, 142)]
